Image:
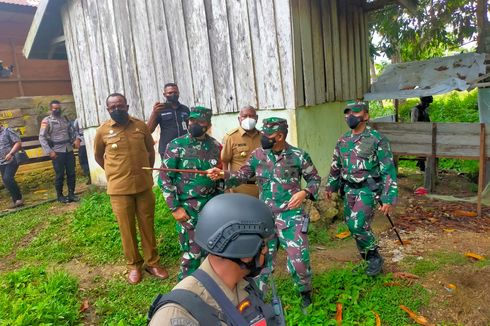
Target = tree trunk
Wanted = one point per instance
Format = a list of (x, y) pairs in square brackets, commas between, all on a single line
[(482, 26)]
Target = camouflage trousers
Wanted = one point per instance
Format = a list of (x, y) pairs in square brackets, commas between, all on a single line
[(291, 239), (359, 212), (192, 254)]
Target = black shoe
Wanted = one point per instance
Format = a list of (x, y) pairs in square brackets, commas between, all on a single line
[(63, 199), (305, 301), (375, 262), (73, 198)]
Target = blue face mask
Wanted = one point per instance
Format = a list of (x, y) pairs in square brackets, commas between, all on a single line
[(120, 116), (353, 121), (267, 143), (196, 130)]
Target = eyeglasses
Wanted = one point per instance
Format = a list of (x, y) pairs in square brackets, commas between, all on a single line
[(117, 108)]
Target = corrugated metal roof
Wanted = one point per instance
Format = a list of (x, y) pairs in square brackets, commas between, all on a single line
[(29, 3)]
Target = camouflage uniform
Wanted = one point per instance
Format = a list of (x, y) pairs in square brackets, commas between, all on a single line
[(279, 177), (362, 167), (189, 190)]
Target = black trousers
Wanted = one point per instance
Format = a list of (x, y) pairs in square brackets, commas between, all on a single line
[(83, 160), (8, 172), (64, 162)]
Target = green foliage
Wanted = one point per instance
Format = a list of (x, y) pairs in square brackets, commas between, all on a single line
[(31, 296), (15, 226), (119, 303), (434, 262), (359, 295)]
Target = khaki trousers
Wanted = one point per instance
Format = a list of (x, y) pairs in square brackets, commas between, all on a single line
[(141, 205)]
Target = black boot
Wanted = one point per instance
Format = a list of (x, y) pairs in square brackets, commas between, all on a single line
[(72, 197), (375, 262), (305, 300), (60, 197)]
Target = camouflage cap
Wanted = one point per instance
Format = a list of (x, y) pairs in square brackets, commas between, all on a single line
[(272, 125), (357, 107), (201, 113)]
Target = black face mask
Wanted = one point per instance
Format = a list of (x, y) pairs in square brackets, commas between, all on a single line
[(353, 121), (121, 117), (196, 130), (253, 266), (173, 98), (57, 112), (267, 143)]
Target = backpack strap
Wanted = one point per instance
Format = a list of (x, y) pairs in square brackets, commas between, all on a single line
[(200, 310), (231, 312)]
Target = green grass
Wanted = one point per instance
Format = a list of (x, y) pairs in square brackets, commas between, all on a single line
[(434, 262), (359, 295), (31, 296), (16, 226)]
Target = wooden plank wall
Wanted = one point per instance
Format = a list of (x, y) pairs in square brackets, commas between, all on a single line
[(223, 54), (331, 54), (454, 140)]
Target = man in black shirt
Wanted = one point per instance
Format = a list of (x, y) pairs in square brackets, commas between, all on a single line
[(172, 116)]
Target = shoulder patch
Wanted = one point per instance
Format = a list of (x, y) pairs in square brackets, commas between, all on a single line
[(232, 131)]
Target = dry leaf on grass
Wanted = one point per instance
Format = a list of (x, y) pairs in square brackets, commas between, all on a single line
[(343, 235), (405, 276), (338, 314), (474, 256), (462, 213), (84, 306), (378, 319), (421, 320), (393, 283)]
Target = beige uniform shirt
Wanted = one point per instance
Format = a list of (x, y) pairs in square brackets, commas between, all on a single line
[(126, 149), (238, 145), (173, 314)]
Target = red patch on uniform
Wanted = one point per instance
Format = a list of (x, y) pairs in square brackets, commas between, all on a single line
[(261, 322)]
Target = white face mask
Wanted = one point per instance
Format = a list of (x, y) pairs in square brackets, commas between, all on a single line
[(248, 123)]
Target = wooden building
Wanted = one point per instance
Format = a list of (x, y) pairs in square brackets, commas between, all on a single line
[(30, 77), (296, 59)]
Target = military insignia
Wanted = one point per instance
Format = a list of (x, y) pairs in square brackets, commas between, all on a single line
[(243, 154), (114, 146), (213, 161)]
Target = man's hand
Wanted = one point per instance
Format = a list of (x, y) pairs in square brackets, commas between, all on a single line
[(76, 143), (297, 199), (385, 209), (8, 157), (52, 155), (180, 215), (158, 106), (215, 174)]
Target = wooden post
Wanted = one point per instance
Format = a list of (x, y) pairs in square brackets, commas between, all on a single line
[(397, 107), (481, 174), (17, 68), (431, 166)]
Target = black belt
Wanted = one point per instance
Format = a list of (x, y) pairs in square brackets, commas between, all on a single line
[(363, 184), (249, 182)]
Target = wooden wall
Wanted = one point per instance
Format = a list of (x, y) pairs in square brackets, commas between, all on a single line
[(224, 54), (331, 51), (30, 77)]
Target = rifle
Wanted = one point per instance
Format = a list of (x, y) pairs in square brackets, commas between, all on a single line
[(378, 199), (179, 170)]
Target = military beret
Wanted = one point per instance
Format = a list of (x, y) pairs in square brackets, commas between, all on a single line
[(272, 125), (357, 107), (201, 113)]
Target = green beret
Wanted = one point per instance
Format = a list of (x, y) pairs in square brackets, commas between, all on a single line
[(357, 107), (201, 113), (272, 125)]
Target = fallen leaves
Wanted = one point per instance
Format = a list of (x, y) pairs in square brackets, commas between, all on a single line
[(405, 276), (84, 306), (343, 235), (462, 213), (338, 314), (419, 319), (378, 319), (474, 256)]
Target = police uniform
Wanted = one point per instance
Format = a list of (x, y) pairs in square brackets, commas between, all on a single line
[(57, 135), (126, 149), (238, 145), (8, 169), (190, 190), (279, 178)]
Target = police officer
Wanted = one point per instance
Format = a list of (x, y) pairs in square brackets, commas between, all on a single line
[(122, 147), (186, 193), (279, 168), (233, 229), (10, 144), (238, 145), (57, 137), (172, 116), (362, 169)]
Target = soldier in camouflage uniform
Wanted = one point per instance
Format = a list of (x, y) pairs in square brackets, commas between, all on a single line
[(362, 169), (186, 193), (278, 168)]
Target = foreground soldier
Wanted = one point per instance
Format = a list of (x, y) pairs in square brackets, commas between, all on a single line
[(186, 193), (279, 167), (233, 229), (122, 147), (362, 168)]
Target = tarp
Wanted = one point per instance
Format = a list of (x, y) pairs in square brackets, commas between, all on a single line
[(430, 77)]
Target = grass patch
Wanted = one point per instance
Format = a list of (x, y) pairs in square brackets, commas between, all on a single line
[(16, 226), (434, 262), (359, 295), (119, 303), (31, 296)]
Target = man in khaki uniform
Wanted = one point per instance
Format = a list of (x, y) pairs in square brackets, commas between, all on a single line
[(233, 228), (123, 145), (238, 144)]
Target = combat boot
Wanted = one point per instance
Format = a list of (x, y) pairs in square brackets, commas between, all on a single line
[(305, 301), (60, 197), (72, 197), (375, 262)]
